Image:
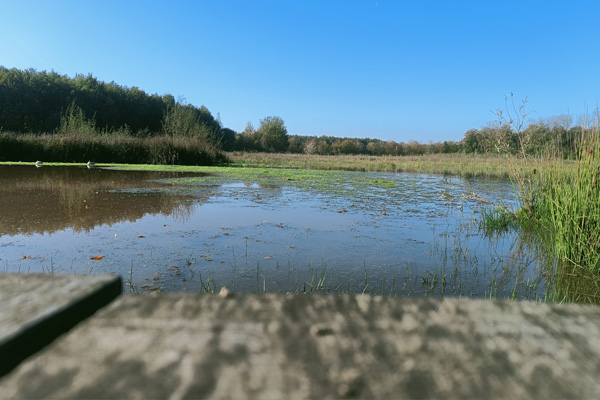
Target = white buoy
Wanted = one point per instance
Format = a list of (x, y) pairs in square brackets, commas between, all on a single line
[(90, 164), (38, 163)]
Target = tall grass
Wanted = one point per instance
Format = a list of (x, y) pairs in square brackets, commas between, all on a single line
[(113, 148), (74, 123), (562, 202), (464, 165)]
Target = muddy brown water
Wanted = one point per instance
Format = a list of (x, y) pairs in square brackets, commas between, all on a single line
[(416, 236)]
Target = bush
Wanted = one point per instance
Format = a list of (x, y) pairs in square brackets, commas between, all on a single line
[(107, 149)]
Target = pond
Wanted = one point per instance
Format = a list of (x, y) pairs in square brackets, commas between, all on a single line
[(263, 230)]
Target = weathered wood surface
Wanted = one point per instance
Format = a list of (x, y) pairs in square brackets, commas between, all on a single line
[(36, 308), (274, 346)]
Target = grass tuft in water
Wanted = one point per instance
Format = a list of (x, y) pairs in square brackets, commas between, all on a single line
[(498, 219)]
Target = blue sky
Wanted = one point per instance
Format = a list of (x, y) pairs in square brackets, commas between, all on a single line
[(393, 70)]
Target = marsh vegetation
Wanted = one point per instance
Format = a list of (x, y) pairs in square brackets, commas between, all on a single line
[(560, 205)]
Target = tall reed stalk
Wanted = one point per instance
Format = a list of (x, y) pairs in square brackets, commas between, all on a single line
[(563, 202)]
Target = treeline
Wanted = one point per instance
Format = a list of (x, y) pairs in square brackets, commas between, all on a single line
[(93, 114), (544, 137), (330, 145), (56, 118), (538, 138), (34, 102)]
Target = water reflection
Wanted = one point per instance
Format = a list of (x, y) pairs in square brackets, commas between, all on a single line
[(50, 199), (392, 234)]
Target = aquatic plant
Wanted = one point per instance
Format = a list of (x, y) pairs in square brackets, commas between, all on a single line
[(498, 218), (561, 204)]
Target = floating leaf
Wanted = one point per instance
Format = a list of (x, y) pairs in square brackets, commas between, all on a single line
[(173, 266), (267, 257), (97, 258), (24, 257), (141, 236)]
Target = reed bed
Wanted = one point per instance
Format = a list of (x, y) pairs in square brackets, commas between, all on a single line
[(563, 202), (559, 201), (109, 148)]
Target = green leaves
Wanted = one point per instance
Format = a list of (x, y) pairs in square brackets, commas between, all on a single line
[(273, 134)]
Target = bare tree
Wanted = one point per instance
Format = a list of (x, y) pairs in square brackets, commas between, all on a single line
[(514, 117)]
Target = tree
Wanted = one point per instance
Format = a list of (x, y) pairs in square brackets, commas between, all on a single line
[(376, 147), (295, 144), (310, 147), (273, 134), (227, 139), (74, 123), (471, 141), (514, 118), (392, 148)]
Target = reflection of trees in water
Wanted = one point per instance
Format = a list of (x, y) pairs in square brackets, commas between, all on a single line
[(181, 211), (54, 198)]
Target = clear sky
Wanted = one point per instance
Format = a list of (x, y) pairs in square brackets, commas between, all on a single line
[(388, 69)]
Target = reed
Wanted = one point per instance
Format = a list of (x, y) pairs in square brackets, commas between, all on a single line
[(562, 203), (497, 219), (110, 148)]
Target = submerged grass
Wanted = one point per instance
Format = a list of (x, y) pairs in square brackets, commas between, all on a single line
[(498, 218)]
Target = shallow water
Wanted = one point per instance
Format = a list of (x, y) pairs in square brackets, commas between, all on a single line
[(380, 233)]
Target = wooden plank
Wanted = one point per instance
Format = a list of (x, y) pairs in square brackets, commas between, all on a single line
[(37, 308), (275, 346)]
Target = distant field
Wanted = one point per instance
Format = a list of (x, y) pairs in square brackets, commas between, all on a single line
[(501, 166)]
